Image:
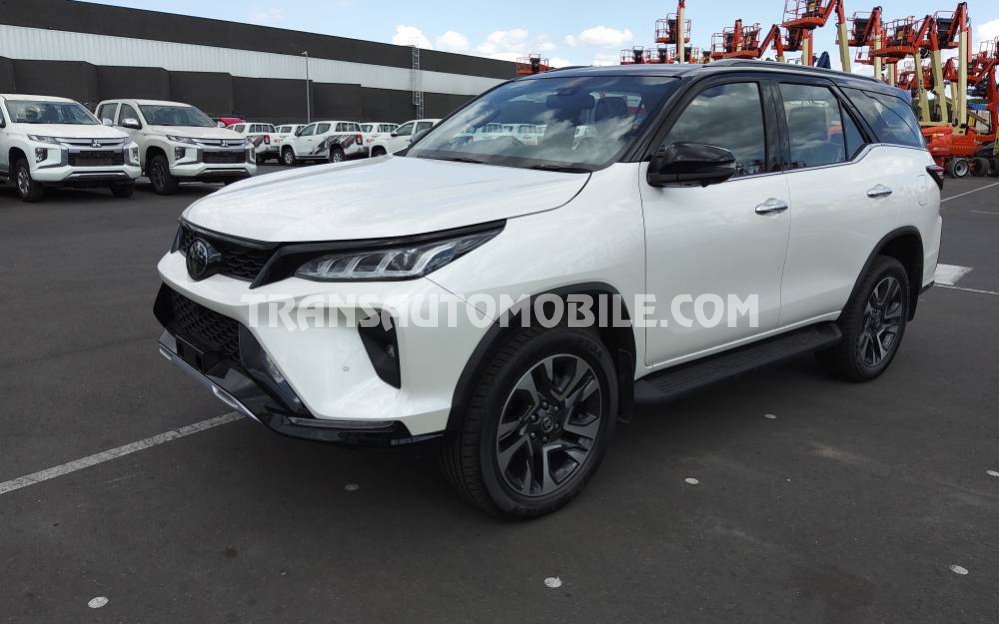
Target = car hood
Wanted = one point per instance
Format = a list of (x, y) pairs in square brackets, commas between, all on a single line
[(379, 198), (72, 131), (196, 132)]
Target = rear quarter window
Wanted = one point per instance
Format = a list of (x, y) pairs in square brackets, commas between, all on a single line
[(891, 117)]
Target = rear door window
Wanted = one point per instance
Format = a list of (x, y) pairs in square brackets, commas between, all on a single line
[(891, 117), (815, 126)]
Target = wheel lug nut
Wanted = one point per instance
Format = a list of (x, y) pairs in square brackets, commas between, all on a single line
[(533, 435)]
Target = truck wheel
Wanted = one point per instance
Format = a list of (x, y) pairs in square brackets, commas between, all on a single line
[(958, 167), (873, 324), (288, 157), (261, 159), (537, 425), (337, 155), (994, 172), (27, 188), (123, 190), (981, 167), (378, 151), (159, 175)]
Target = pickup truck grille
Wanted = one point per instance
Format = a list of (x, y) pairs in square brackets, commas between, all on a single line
[(239, 260), (95, 158), (223, 158), (202, 327)]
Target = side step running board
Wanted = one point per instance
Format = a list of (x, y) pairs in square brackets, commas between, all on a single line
[(679, 380)]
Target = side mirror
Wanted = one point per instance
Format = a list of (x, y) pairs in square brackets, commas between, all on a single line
[(690, 164), (107, 122), (131, 123), (395, 134)]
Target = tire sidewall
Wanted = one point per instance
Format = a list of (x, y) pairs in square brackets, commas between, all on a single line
[(886, 267), (551, 342), (288, 157)]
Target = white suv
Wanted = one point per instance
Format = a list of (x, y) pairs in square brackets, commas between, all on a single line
[(400, 139), (505, 298), (332, 141), (179, 143), (51, 141)]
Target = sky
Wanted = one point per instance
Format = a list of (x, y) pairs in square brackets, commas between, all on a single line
[(583, 32)]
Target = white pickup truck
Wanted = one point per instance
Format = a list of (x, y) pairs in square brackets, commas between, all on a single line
[(401, 137), (333, 141), (261, 135), (179, 143), (51, 141)]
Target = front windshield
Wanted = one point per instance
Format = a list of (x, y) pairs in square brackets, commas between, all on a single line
[(176, 116), (31, 112), (582, 122)]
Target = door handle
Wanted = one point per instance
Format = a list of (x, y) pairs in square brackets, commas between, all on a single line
[(772, 206), (879, 191)]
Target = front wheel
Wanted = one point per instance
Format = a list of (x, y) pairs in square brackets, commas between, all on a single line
[(537, 425), (27, 188), (159, 174), (873, 324)]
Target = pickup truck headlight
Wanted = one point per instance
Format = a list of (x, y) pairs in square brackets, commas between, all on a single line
[(180, 139), (402, 262), (43, 139)]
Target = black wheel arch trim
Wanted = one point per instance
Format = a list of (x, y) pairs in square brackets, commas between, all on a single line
[(915, 280), (623, 356)]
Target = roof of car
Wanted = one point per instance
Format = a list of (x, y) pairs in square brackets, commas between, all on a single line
[(714, 67), (153, 103), (33, 98)]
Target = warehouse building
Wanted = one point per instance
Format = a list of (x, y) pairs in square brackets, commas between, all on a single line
[(90, 52)]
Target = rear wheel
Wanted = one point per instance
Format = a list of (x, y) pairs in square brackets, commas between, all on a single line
[(288, 157), (958, 167), (159, 174), (27, 188), (994, 172), (123, 190), (873, 324), (537, 425), (981, 167), (378, 151), (337, 155)]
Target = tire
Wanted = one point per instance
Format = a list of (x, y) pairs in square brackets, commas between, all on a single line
[(981, 167), (868, 322), (27, 188), (261, 160), (994, 172), (288, 157), (958, 168), (378, 151), (159, 174), (337, 155), (497, 457), (123, 190)]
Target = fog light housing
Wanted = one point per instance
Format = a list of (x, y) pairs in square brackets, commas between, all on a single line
[(41, 154), (380, 341), (179, 153)]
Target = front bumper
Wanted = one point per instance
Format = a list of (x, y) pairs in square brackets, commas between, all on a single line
[(67, 175), (192, 165)]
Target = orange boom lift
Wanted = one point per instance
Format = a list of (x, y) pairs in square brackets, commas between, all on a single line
[(675, 30), (866, 32), (802, 17), (532, 64), (743, 42)]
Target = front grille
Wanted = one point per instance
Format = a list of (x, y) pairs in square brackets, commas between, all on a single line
[(94, 158), (203, 327), (223, 158), (239, 260)]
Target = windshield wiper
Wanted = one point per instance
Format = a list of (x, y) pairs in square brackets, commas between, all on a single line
[(560, 168), (461, 159)]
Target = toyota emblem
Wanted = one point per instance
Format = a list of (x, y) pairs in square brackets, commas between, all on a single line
[(203, 260)]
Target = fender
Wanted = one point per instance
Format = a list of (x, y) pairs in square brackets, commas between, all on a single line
[(915, 271), (622, 347)]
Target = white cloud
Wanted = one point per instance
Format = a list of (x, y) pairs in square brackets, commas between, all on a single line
[(602, 59), (266, 17), (411, 35), (452, 41), (988, 31), (502, 43), (601, 37), (556, 62)]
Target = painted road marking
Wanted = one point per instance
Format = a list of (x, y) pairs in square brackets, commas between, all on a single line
[(947, 199), (977, 291), (950, 274), (984, 212), (99, 458)]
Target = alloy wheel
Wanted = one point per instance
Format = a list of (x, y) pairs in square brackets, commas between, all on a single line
[(336, 157), (882, 322), (23, 182), (549, 425), (156, 174)]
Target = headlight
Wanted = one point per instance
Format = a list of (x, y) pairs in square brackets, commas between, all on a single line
[(43, 139), (180, 139), (395, 263)]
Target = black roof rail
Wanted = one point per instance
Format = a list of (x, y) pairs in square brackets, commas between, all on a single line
[(787, 67)]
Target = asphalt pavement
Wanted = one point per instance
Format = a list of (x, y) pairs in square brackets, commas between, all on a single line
[(783, 496)]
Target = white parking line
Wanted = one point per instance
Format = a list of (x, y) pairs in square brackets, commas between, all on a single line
[(947, 199), (970, 290), (79, 464), (950, 274)]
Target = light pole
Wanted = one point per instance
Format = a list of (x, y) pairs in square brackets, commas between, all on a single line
[(308, 94)]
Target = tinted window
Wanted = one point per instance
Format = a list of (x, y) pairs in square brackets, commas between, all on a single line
[(386, 128), (405, 129), (106, 111), (322, 128), (284, 129), (176, 116), (47, 112), (814, 125), (731, 117), (266, 128), (127, 112), (309, 130), (891, 117), (238, 128), (424, 125), (854, 138)]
